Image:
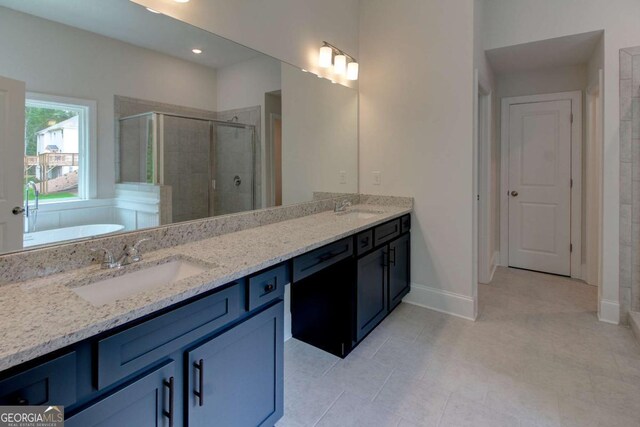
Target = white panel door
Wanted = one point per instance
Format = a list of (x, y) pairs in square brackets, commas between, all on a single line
[(540, 186), (12, 93)]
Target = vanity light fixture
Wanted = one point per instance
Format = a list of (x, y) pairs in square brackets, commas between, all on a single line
[(326, 55), (196, 51), (352, 71), (342, 62)]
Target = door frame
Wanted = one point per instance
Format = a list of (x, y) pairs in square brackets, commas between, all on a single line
[(576, 173), (484, 264)]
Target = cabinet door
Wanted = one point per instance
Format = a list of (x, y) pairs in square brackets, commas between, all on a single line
[(398, 270), (145, 402), (372, 291), (236, 379)]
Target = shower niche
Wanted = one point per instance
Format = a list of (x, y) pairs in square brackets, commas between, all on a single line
[(189, 167)]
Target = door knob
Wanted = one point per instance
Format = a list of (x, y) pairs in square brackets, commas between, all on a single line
[(17, 210), (514, 193)]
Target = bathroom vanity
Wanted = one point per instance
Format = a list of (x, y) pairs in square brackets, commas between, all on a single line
[(207, 348)]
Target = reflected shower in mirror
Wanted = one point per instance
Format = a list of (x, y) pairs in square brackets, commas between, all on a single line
[(136, 120)]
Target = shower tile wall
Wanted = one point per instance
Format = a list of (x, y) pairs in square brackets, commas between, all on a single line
[(125, 106), (186, 161), (629, 180)]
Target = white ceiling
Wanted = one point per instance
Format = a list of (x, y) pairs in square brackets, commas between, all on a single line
[(558, 52), (126, 21)]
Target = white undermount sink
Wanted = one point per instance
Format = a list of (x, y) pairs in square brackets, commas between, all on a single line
[(360, 213), (115, 288)]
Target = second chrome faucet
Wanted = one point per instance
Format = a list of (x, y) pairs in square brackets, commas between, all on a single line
[(131, 255)]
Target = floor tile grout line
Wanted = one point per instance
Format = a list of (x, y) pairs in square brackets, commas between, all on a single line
[(328, 409), (382, 386), (381, 345), (444, 408)]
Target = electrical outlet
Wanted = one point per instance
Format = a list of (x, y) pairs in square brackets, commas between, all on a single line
[(377, 177), (342, 175)]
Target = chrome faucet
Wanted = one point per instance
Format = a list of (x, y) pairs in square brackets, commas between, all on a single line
[(341, 206), (31, 212), (131, 255)]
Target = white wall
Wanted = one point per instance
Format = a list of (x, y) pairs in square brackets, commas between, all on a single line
[(416, 106), (290, 30), (510, 22), (244, 85), (536, 82), (319, 136), (56, 59)]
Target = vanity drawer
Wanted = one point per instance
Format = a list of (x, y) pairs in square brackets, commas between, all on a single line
[(50, 383), (405, 223), (314, 261), (267, 286), (135, 348), (364, 242), (385, 232)]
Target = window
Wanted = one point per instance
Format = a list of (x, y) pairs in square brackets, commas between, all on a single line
[(58, 148)]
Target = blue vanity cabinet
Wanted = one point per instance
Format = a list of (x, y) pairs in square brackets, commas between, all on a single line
[(371, 291), (236, 378), (148, 401), (399, 268)]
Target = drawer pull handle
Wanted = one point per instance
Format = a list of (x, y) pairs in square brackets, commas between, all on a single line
[(326, 257), (200, 392), (269, 288), (169, 414)]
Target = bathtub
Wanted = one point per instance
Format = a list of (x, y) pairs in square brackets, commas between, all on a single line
[(69, 233)]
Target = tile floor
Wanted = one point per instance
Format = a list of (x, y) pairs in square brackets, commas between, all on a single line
[(537, 356)]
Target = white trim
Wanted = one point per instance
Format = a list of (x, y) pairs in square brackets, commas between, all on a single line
[(576, 173), (482, 180), (88, 183), (494, 264), (609, 312), (442, 301)]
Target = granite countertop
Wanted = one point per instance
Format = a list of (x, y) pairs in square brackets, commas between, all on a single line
[(42, 315)]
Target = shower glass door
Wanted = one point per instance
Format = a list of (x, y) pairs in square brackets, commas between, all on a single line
[(234, 163)]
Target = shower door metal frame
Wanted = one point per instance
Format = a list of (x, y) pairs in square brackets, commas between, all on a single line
[(157, 125)]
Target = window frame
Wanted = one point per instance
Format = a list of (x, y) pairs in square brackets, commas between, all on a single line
[(87, 139)]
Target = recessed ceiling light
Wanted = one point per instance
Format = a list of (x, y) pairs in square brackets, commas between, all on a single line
[(181, 1), (196, 51), (152, 10)]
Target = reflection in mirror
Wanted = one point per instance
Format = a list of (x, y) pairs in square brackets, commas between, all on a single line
[(135, 120)]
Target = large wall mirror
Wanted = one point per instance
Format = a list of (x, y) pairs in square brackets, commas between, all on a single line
[(134, 120)]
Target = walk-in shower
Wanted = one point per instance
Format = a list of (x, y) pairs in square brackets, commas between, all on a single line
[(209, 165)]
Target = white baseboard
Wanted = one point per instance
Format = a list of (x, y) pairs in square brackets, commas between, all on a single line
[(442, 301), (609, 312), (494, 264)]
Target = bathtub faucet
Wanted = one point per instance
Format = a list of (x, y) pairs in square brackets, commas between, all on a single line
[(31, 212)]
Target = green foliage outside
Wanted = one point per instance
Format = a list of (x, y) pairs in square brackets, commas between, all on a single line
[(36, 119)]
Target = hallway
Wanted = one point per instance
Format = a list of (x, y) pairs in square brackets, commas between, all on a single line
[(537, 356)]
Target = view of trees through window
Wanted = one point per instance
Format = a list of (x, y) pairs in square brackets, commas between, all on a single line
[(51, 152)]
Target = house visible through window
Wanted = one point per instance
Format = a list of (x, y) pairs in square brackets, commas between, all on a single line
[(56, 141)]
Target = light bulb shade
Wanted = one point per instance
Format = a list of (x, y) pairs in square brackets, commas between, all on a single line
[(340, 64), (326, 54), (352, 71)]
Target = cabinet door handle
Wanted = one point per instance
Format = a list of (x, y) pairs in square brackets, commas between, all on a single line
[(392, 261), (170, 412), (385, 259), (199, 365), (22, 401)]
